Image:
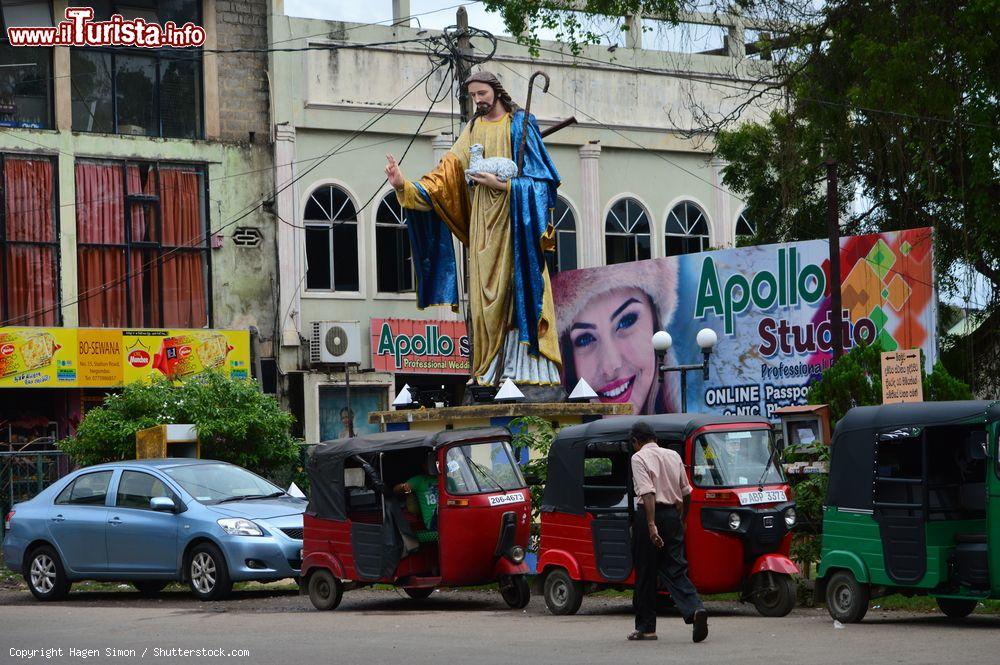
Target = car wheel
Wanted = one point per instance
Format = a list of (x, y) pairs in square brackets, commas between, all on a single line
[(149, 587), (563, 594), (418, 593), (957, 608), (846, 598), (515, 591), (325, 590), (775, 594), (45, 575), (208, 573)]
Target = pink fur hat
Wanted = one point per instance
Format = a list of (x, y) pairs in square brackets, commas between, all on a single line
[(657, 278)]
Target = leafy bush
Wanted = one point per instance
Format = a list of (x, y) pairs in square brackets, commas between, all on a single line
[(235, 422)]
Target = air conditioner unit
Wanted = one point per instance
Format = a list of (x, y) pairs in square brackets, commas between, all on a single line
[(335, 343)]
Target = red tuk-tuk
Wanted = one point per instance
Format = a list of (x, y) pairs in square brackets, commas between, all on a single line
[(357, 532), (738, 529)]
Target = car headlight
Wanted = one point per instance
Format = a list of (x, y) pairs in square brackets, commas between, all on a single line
[(236, 526), (790, 518), (734, 521), (516, 554)]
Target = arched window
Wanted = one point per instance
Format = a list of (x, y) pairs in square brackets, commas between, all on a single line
[(564, 223), (393, 260), (331, 222), (687, 230), (746, 230), (626, 232)]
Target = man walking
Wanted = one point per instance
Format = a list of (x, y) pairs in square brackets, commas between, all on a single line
[(665, 493)]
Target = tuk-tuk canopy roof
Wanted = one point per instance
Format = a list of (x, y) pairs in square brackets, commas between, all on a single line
[(564, 477), (326, 464), (853, 446)]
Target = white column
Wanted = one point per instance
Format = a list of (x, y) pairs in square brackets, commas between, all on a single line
[(590, 233), (723, 227), (291, 262), (441, 144)]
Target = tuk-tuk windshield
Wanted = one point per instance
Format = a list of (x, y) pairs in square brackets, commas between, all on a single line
[(475, 468), (731, 459)]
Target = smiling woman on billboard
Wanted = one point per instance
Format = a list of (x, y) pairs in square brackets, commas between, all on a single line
[(606, 328)]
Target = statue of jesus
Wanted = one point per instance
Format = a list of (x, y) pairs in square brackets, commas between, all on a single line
[(506, 226)]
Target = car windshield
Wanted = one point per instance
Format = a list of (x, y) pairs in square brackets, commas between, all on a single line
[(731, 459), (482, 467), (211, 483)]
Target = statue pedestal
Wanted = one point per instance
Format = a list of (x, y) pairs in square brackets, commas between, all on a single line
[(482, 415)]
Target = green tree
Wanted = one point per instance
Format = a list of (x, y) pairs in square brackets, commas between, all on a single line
[(235, 422), (903, 95)]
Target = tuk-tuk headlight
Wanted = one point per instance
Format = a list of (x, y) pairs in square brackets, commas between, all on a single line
[(734, 521), (516, 554), (790, 518)]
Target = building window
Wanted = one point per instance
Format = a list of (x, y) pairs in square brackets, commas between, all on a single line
[(154, 93), (746, 230), (394, 260), (25, 71), (331, 222), (142, 235), (564, 223), (626, 232), (28, 244), (687, 230)]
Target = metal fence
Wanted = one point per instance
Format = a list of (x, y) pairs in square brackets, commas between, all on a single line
[(25, 474)]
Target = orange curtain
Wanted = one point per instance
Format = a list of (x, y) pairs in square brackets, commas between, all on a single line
[(32, 279), (100, 219), (184, 273)]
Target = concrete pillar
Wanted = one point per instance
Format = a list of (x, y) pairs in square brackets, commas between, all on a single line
[(590, 231), (723, 226), (291, 261), (210, 72), (441, 144), (401, 12), (736, 40), (633, 37)]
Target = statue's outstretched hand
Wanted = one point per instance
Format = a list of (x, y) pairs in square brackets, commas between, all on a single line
[(393, 172)]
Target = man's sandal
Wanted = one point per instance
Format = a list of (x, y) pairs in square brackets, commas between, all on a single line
[(637, 635)]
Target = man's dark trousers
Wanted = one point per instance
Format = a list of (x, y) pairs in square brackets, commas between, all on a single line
[(667, 561)]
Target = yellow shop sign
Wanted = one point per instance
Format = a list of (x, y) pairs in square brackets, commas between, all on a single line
[(110, 358)]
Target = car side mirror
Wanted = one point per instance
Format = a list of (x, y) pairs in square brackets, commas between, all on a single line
[(163, 504), (532, 479)]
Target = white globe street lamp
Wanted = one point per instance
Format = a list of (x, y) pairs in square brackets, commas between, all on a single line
[(662, 341)]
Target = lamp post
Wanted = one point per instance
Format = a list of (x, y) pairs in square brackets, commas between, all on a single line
[(662, 341)]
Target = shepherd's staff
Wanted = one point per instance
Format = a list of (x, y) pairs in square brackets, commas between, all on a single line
[(527, 113)]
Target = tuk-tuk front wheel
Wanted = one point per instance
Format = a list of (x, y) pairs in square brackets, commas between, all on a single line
[(515, 592), (957, 608), (846, 598), (325, 590), (774, 594), (563, 594)]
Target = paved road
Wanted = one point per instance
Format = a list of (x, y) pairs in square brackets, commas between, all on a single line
[(454, 628)]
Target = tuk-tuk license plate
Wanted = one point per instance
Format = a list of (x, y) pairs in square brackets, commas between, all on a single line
[(768, 496), (504, 499)]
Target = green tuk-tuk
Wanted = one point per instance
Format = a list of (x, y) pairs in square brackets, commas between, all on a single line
[(913, 507)]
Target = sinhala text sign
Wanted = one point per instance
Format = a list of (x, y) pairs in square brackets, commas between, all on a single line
[(111, 358)]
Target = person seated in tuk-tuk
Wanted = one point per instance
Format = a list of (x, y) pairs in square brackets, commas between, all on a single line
[(423, 487)]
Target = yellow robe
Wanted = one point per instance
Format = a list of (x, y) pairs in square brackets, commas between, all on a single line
[(482, 223)]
